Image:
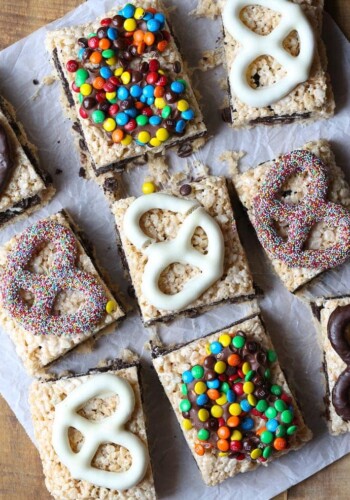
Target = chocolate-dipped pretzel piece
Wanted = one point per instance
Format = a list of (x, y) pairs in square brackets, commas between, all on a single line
[(6, 159), (336, 329)]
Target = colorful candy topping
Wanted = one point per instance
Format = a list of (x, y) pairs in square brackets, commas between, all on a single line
[(39, 318), (253, 46), (313, 208), (121, 84), (6, 159), (337, 326), (233, 404), (148, 188)]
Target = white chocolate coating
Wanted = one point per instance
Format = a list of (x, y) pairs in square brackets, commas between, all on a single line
[(254, 46), (179, 250), (96, 433)]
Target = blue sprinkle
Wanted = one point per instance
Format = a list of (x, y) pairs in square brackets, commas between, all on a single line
[(148, 91), (202, 400), (177, 87), (215, 347), (136, 91), (213, 384), (180, 126), (112, 33), (122, 119), (272, 424), (81, 53), (231, 396), (128, 11), (155, 120), (188, 115), (245, 405), (187, 377), (106, 72), (247, 424), (123, 93), (153, 25), (160, 18), (132, 112)]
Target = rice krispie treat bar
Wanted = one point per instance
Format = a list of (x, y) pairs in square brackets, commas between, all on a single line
[(91, 435), (332, 318), (232, 400), (52, 297), (182, 249), (299, 206), (126, 86), (276, 61), (24, 186)]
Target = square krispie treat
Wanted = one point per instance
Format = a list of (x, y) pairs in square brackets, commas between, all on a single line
[(91, 434), (24, 186), (182, 250), (52, 296), (276, 61), (126, 86), (332, 318), (232, 400), (299, 206)]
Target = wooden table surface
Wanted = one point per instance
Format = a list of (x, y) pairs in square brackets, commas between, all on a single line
[(21, 475)]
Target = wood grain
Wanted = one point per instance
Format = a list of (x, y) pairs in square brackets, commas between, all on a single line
[(21, 476)]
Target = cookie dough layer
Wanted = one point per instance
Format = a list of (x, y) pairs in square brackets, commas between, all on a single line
[(29, 187), (170, 367), (333, 365), (236, 283), (45, 395), (311, 100), (38, 351), (248, 184), (93, 141)]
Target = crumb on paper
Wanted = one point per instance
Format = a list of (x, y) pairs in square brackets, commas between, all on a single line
[(47, 80), (129, 356), (223, 84), (86, 347), (211, 59), (208, 8), (198, 169), (232, 158)]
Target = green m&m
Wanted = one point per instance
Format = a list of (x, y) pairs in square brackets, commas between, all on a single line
[(81, 76), (185, 405), (238, 342), (197, 371), (267, 437), (203, 434), (98, 116)]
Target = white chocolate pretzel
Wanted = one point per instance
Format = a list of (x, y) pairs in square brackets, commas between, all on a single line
[(109, 430), (255, 46), (179, 250)]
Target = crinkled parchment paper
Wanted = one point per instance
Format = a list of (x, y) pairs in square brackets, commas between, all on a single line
[(288, 319)]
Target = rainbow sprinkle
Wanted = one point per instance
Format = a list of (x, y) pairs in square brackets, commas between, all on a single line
[(302, 217), (39, 319)]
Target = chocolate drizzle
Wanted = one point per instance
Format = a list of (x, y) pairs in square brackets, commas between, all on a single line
[(338, 321), (6, 159)]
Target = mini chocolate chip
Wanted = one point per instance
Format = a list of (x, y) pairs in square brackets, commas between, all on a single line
[(177, 67), (144, 67), (209, 362), (185, 190), (133, 50), (89, 102), (119, 44), (185, 150), (118, 21), (226, 115), (36, 82), (170, 96), (82, 42), (110, 185), (102, 32), (104, 106), (127, 55), (87, 54), (169, 124), (136, 76), (82, 172)]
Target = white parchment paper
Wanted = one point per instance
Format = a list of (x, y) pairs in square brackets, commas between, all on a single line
[(288, 319)]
